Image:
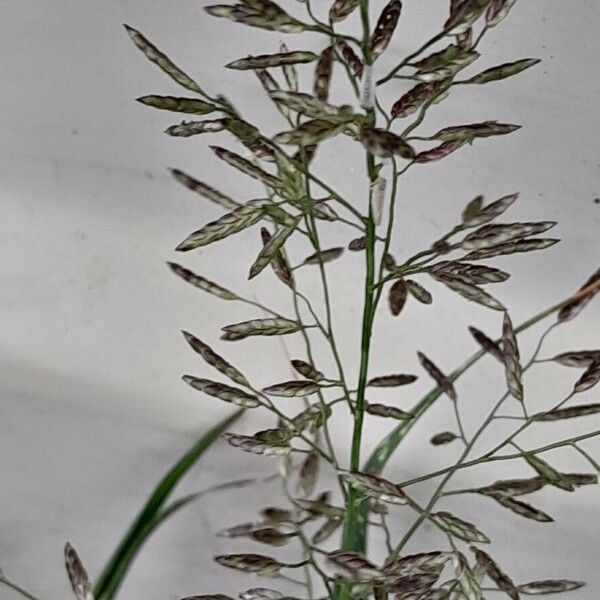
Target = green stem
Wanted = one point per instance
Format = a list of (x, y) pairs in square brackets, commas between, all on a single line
[(16, 588), (352, 539)]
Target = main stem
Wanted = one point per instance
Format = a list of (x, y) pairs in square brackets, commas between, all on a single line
[(352, 539)]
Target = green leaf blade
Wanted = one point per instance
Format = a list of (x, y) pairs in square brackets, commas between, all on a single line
[(115, 570)]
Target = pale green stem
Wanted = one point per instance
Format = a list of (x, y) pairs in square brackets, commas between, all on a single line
[(15, 587), (468, 447), (350, 537), (587, 456), (310, 356)]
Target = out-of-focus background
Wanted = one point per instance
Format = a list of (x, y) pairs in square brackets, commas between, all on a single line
[(92, 407)]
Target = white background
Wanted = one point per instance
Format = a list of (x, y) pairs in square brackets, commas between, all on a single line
[(92, 408)]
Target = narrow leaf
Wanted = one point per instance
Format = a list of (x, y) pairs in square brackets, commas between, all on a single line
[(229, 224), (329, 527), (223, 392), (307, 370), (577, 358), (213, 359), (467, 579), (325, 212), (397, 297), (251, 444), (309, 470), (323, 72), (589, 379), (154, 55), (464, 15), (277, 436), (260, 594), (514, 487), (312, 417), (310, 132), (264, 14), (276, 326), (351, 58), (292, 389), (375, 487), (521, 508), (495, 573), (265, 61), (278, 262), (78, 576), (353, 566), (472, 211), (475, 274), (201, 282), (438, 376), (412, 100), (487, 213), (307, 105), (487, 344), (497, 11), (383, 410), (271, 250), (208, 597), (571, 310), (386, 24), (391, 380), (148, 519), (181, 105), (445, 64), (469, 291), (251, 563), (271, 536), (511, 248), (503, 71), (416, 290), (289, 70), (323, 256), (549, 586), (357, 244), (458, 528), (568, 413), (275, 515), (341, 9), (491, 235), (512, 364), (468, 133), (411, 563), (442, 438), (204, 190), (550, 474), (439, 152), (383, 143), (246, 167)]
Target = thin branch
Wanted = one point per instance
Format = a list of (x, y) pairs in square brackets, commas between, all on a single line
[(449, 472), (17, 588), (412, 56), (586, 456)]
